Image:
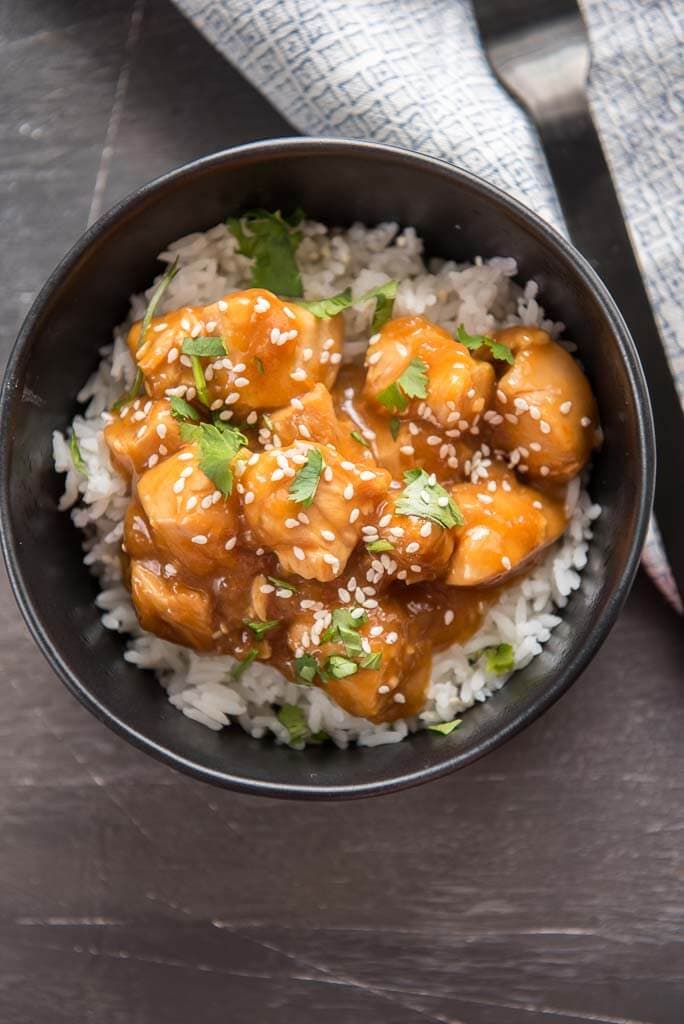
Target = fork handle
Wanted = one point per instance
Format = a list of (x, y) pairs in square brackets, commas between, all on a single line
[(597, 227)]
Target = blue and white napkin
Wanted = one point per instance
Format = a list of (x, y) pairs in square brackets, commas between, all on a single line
[(412, 73)]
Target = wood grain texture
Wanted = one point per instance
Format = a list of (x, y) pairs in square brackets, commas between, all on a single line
[(542, 884)]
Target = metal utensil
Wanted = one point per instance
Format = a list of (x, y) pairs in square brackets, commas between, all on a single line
[(539, 51)]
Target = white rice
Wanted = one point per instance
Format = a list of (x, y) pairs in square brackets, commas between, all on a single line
[(482, 296)]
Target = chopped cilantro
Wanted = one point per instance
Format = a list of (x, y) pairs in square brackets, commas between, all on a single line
[(344, 628), (259, 364), (428, 500), (475, 341), (200, 380), (182, 410), (238, 669), (294, 720), (261, 627), (500, 659), (412, 383), (340, 667), (218, 446), (356, 436), (376, 546), (305, 483), (282, 584), (270, 241), (76, 457), (306, 668), (155, 299), (383, 294), (372, 661), (203, 347), (445, 727), (394, 425)]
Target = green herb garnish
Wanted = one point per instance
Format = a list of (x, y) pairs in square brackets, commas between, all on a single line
[(282, 584), (500, 659), (475, 341), (376, 546), (269, 239), (294, 720), (306, 668), (344, 628), (182, 410), (356, 436), (242, 666), (209, 346), (261, 627), (76, 457), (340, 667), (394, 426), (372, 661), (259, 364), (305, 482), (384, 295), (218, 446), (445, 727), (428, 500), (412, 383), (155, 299), (384, 305)]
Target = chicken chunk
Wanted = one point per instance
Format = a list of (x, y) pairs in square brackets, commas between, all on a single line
[(394, 689), (314, 416), (421, 549), (313, 542), (171, 609), (459, 388), (544, 408), (191, 522), (506, 524), (275, 350), (141, 435)]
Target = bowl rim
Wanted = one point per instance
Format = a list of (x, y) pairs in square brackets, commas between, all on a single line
[(573, 665)]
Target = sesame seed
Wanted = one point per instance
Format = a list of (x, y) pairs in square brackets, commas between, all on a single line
[(354, 515), (199, 538), (185, 473), (222, 305), (399, 698), (230, 544), (153, 460), (141, 432), (169, 569), (374, 358), (344, 595), (327, 474), (501, 395), (448, 617), (565, 408), (275, 335), (298, 553), (178, 486), (327, 535), (252, 418), (299, 374), (412, 547), (330, 559), (443, 501), (303, 518), (537, 504), (510, 417), (277, 474), (544, 427), (348, 492), (336, 358), (416, 568), (191, 502), (426, 529), (396, 531), (484, 498), (407, 449), (585, 421), (304, 430), (506, 486), (161, 430), (367, 475), (307, 354), (544, 470), (172, 355), (241, 382), (249, 497), (225, 415), (535, 446), (506, 562), (285, 595), (535, 413), (185, 324), (196, 331)]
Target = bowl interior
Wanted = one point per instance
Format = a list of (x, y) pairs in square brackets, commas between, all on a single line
[(458, 217)]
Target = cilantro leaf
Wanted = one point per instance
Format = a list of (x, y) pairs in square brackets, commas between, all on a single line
[(268, 239), (340, 667), (76, 457), (306, 668), (372, 661), (412, 383), (242, 666), (394, 425), (428, 500), (305, 482), (384, 295), (259, 364), (344, 628), (323, 309), (260, 627), (294, 720), (218, 446), (379, 545), (182, 410), (384, 305), (203, 347), (200, 380), (282, 584), (356, 436), (475, 341), (155, 299), (445, 727), (500, 659)]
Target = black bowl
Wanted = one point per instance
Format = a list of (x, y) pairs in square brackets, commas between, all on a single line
[(459, 216)]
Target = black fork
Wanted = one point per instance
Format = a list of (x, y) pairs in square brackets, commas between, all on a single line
[(539, 51)]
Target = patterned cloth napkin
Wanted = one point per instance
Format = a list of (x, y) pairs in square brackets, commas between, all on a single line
[(412, 73)]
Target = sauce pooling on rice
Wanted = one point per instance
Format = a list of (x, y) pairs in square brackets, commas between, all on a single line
[(340, 523)]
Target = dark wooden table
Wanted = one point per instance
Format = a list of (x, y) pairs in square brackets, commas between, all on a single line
[(543, 883)]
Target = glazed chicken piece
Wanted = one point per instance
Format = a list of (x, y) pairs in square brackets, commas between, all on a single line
[(506, 524), (275, 350), (544, 408), (313, 416), (170, 609), (313, 542), (459, 388), (191, 523), (141, 435), (396, 689), (421, 549)]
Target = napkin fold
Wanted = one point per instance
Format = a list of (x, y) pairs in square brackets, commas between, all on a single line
[(412, 73)]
